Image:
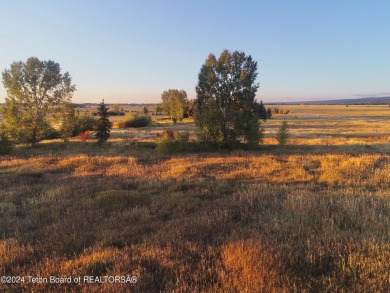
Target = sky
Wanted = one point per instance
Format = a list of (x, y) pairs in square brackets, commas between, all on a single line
[(131, 51)]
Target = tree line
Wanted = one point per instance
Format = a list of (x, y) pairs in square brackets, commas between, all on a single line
[(225, 109)]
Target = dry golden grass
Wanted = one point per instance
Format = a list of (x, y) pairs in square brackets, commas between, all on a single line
[(243, 223), (355, 126), (308, 218)]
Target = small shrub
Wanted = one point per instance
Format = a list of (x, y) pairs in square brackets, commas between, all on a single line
[(183, 137), (169, 133), (283, 133), (52, 133), (84, 123), (170, 142), (135, 121), (6, 145), (84, 136), (114, 113), (121, 124), (201, 146), (166, 144), (139, 121)]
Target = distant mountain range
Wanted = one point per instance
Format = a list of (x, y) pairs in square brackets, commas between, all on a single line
[(379, 100)]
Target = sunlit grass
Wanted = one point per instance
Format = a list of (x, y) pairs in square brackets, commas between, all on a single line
[(313, 216)]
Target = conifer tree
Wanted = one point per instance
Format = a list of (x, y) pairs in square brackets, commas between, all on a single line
[(269, 113), (103, 125), (283, 133), (262, 111)]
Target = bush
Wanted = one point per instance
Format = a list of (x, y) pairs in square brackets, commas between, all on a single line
[(115, 113), (170, 142), (169, 134), (165, 144), (6, 145), (51, 133), (135, 121), (84, 123), (182, 138), (111, 113), (84, 136)]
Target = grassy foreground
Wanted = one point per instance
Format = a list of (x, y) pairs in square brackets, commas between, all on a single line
[(313, 216), (211, 222)]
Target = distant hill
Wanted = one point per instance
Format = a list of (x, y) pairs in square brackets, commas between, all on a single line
[(372, 101)]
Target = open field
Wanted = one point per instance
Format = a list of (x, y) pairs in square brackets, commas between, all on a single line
[(125, 108), (313, 216), (353, 127)]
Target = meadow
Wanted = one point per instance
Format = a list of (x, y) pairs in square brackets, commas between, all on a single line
[(311, 216)]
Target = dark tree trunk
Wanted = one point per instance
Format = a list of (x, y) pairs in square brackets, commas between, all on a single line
[(34, 139)]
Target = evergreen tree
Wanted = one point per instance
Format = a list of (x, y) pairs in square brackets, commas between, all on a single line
[(262, 111), (283, 133), (269, 113), (103, 125)]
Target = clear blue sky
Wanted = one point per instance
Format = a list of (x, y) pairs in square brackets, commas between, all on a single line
[(130, 51)]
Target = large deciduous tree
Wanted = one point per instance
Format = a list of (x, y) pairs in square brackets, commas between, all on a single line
[(35, 92), (174, 103), (226, 108)]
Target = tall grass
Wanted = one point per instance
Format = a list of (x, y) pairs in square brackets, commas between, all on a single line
[(229, 222)]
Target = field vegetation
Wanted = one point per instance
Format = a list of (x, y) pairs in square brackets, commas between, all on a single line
[(311, 216)]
